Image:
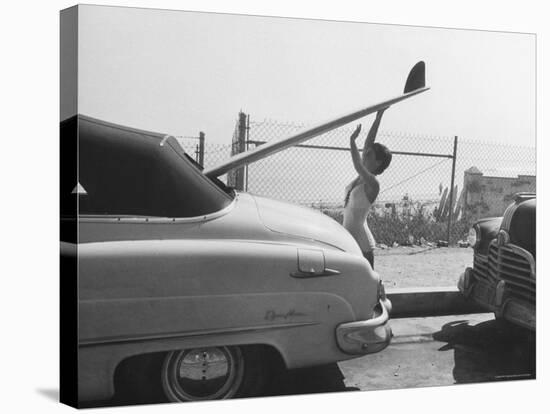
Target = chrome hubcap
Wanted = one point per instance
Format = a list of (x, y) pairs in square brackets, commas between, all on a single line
[(204, 373)]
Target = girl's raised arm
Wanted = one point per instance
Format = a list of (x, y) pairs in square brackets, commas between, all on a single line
[(369, 178), (371, 136)]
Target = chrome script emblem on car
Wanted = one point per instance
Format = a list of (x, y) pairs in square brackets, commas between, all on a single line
[(271, 315)]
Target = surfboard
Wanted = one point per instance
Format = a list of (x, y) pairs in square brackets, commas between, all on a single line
[(414, 85)]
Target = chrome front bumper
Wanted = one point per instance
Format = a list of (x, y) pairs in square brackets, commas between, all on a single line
[(367, 337), (493, 298)]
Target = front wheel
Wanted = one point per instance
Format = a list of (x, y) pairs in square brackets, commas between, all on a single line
[(212, 373)]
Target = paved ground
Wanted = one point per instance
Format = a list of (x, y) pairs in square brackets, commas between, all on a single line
[(426, 352), (421, 266), (434, 351)]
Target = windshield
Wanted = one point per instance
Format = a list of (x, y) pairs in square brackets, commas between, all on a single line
[(124, 171)]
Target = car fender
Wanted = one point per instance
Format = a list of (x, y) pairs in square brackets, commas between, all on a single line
[(159, 295)]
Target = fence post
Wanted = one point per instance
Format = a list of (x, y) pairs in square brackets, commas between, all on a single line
[(239, 142), (247, 141), (201, 148), (450, 219)]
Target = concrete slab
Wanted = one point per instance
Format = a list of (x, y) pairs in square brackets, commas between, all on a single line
[(425, 351), (434, 301), (433, 351)]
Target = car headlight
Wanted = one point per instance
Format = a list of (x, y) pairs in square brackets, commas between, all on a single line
[(474, 236)]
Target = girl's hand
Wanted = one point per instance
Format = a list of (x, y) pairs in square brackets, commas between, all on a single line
[(355, 134)]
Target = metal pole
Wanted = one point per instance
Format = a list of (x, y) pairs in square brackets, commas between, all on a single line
[(247, 139), (201, 148), (449, 222), (239, 183), (347, 149)]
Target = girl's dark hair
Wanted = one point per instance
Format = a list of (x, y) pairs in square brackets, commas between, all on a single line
[(383, 155)]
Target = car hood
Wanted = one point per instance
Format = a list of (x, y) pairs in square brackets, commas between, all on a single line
[(303, 222)]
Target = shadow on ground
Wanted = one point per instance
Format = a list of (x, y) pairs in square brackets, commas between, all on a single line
[(459, 353), (320, 379), (324, 378), (489, 351)]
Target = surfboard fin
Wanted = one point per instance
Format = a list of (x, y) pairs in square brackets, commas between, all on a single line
[(416, 78)]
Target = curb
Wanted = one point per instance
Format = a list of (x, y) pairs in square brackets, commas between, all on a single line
[(438, 301)]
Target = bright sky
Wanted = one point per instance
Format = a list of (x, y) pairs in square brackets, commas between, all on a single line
[(183, 72)]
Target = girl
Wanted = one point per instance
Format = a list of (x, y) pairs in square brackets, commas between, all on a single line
[(361, 193)]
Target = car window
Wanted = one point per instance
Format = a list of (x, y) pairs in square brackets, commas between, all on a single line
[(130, 172)]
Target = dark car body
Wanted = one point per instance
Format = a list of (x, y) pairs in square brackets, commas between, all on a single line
[(503, 276)]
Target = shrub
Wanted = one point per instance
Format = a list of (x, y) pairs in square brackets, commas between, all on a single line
[(390, 228)]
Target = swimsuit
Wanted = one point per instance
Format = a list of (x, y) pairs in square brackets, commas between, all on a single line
[(355, 217)]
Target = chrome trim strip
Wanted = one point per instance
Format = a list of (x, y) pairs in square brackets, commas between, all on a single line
[(514, 265), (508, 214), (156, 220), (176, 335), (344, 328), (165, 139), (520, 251), (524, 196), (120, 127), (503, 238), (360, 337), (307, 275)]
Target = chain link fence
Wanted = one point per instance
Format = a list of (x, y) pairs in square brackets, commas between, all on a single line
[(416, 203), (212, 154)]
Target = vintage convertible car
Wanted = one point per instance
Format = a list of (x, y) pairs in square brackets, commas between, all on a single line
[(185, 282), (503, 277)]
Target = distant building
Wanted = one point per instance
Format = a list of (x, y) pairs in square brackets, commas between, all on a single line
[(489, 196)]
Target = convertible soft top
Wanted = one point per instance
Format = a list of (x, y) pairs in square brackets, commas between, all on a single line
[(126, 171)]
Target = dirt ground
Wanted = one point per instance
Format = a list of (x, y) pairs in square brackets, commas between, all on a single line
[(417, 266)]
